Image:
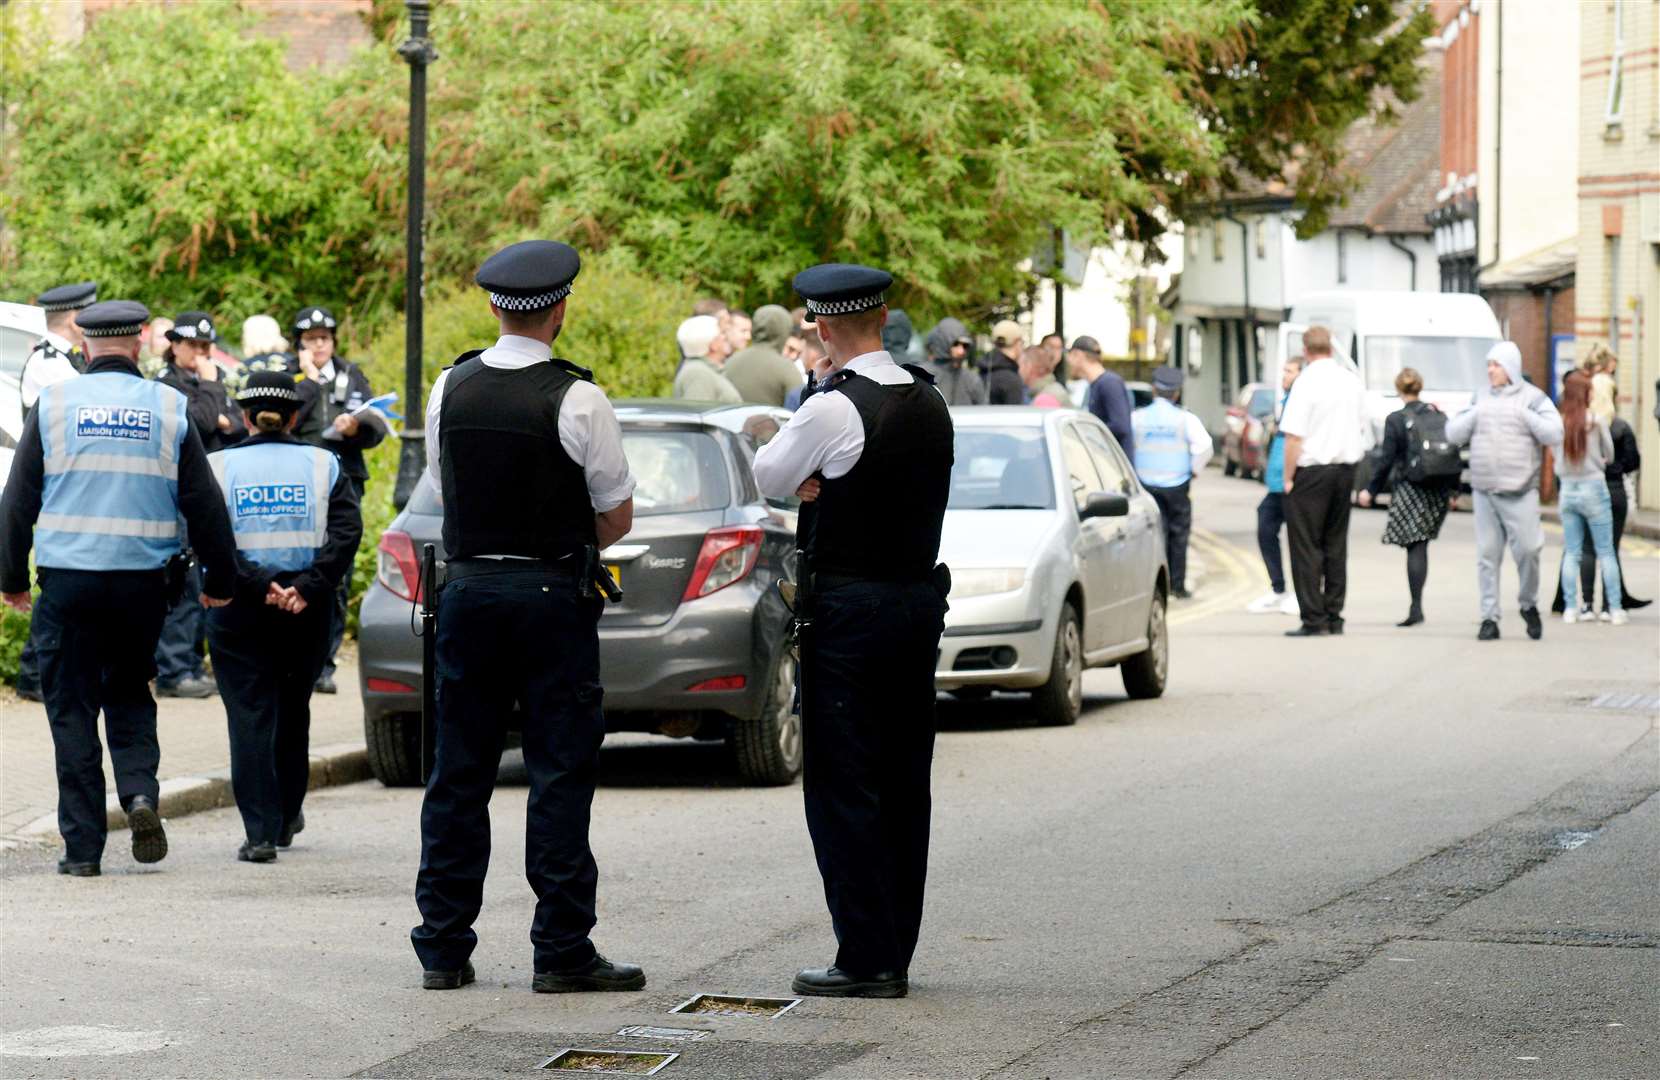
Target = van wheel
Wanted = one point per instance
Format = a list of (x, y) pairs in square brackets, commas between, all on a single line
[(394, 748), (1058, 702), (768, 747), (1146, 671)]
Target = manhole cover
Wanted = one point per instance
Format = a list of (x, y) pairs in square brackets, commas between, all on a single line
[(646, 1031), (615, 1062), (1620, 699), (736, 1005)]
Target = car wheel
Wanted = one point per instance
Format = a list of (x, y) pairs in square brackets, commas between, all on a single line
[(1059, 701), (1229, 468), (768, 747), (1146, 671), (394, 746)]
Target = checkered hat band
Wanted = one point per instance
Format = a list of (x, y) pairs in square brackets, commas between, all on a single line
[(529, 303), (72, 306), (124, 330), (278, 393), (846, 307)]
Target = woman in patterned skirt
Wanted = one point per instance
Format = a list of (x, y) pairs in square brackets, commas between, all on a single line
[(1416, 510)]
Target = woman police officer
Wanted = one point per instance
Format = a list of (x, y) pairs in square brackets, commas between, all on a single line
[(295, 516)]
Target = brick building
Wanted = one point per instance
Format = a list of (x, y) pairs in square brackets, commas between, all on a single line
[(1618, 271), (320, 33)]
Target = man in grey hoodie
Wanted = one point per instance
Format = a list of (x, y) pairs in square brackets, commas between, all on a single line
[(761, 372), (1506, 428), (948, 347)]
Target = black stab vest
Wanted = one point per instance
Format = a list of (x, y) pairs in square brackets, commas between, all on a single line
[(509, 486), (882, 520)]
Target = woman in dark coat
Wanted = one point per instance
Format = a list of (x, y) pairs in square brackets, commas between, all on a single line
[(1416, 510)]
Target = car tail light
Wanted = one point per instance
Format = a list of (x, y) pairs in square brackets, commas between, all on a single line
[(389, 686), (726, 558), (397, 568), (725, 682)]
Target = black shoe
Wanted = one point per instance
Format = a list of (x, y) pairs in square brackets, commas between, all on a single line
[(324, 683), (193, 687), (252, 852), (33, 693), (149, 838), (447, 980), (598, 974), (286, 837), (1489, 631), (1535, 625), (1335, 628), (1413, 618), (78, 869), (1180, 594), (834, 982), (1308, 631)]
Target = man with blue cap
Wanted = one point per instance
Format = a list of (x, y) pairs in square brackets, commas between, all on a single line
[(528, 454), (869, 452), (1171, 448), (107, 468)]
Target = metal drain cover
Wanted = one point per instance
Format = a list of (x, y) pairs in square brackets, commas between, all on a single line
[(608, 1062), (764, 1008), (667, 1034), (1620, 699)]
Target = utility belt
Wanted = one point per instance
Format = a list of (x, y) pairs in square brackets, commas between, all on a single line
[(175, 576), (939, 576), (582, 567)]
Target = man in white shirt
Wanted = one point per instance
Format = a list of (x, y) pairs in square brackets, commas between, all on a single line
[(1324, 425), (57, 356)]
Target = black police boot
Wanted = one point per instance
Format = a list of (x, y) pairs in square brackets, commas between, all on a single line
[(78, 869), (149, 838), (1535, 625), (1180, 593), (1489, 631), (598, 974), (296, 826), (1308, 631), (447, 980), (325, 683), (254, 852), (32, 691), (834, 982)]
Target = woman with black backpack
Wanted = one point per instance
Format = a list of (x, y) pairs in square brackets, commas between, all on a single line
[(1424, 466)]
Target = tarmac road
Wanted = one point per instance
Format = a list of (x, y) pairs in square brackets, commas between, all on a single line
[(1395, 853)]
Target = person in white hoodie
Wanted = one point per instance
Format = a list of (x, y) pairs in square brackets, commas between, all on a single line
[(1506, 428)]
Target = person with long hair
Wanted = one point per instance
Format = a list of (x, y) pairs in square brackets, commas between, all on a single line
[(1418, 505), (1587, 448)]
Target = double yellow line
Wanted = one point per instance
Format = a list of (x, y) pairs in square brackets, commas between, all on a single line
[(1232, 572)]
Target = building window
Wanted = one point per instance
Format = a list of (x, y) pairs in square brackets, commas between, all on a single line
[(1616, 69), (1193, 242), (1262, 238), (1342, 257), (1217, 245)]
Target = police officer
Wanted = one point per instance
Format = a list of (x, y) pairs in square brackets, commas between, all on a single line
[(870, 453), (297, 524), (188, 367), (54, 358), (334, 389), (1171, 447), (529, 456), (106, 467)]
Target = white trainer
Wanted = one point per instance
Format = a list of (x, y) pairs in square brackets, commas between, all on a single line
[(1288, 606), (1571, 615), (1267, 604), (1619, 618)]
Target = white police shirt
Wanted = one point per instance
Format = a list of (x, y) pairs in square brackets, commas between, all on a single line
[(46, 368), (825, 435), (588, 427)]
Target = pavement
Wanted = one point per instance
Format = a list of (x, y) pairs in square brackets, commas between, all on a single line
[(1644, 523), (1397, 853)]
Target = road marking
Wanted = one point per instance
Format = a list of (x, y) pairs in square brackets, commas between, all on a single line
[(79, 1040), (1235, 570)]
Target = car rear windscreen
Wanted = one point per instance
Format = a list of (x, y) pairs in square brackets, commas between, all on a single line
[(1446, 363), (1001, 469), (676, 472)]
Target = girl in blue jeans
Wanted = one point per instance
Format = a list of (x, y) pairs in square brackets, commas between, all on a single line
[(1587, 447)]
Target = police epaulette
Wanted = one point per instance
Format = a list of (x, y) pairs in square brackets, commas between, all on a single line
[(580, 372), (921, 374), (837, 379), (464, 357)]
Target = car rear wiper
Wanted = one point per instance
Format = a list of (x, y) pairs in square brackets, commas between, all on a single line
[(1005, 506)]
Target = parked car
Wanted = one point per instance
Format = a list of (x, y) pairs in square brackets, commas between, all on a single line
[(695, 649), (21, 326), (1141, 393), (1057, 561), (1245, 434)]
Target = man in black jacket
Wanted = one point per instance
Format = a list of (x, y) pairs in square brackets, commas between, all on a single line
[(1001, 366), (333, 393)]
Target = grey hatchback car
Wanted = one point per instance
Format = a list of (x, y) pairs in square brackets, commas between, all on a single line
[(695, 649)]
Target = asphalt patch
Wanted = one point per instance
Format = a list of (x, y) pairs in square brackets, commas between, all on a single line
[(470, 1054)]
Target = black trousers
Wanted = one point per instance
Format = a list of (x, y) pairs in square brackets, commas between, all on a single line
[(95, 636), (342, 595), (1317, 524), (1176, 508), (266, 661), (1270, 520), (868, 728), (526, 637), (179, 649)]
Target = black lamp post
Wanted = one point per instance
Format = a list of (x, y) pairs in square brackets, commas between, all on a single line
[(418, 52)]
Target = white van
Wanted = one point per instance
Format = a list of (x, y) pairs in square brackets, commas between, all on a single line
[(1445, 336), (21, 326)]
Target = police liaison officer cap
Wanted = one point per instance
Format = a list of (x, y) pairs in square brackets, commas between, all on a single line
[(314, 318), (530, 275), (68, 297), (841, 289), (113, 318), (193, 326), (1167, 378), (269, 390)]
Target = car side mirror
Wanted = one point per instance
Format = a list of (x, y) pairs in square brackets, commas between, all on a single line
[(1105, 504)]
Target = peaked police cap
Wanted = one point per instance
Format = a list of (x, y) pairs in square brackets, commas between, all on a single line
[(841, 289), (530, 275), (113, 318)]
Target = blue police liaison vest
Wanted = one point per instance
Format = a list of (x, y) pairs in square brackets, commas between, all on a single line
[(1162, 457), (277, 494), (110, 498)]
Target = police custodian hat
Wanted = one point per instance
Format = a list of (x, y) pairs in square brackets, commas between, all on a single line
[(269, 390), (193, 326), (841, 289), (530, 275), (113, 318), (314, 318), (69, 297), (1167, 378)]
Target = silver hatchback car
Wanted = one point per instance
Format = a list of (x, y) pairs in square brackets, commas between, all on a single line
[(697, 646), (1057, 561)]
